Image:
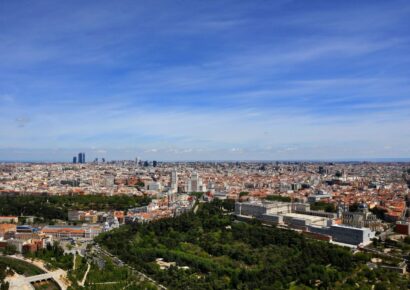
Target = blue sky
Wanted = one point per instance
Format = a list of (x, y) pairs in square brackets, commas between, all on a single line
[(201, 80)]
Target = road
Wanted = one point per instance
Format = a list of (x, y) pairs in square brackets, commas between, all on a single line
[(383, 254), (74, 259), (196, 208)]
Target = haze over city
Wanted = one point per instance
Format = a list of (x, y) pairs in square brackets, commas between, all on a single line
[(204, 80)]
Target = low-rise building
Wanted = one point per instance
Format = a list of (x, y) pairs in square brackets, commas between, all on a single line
[(75, 215), (319, 196), (259, 208), (9, 219), (345, 234), (5, 228), (63, 232), (402, 228)]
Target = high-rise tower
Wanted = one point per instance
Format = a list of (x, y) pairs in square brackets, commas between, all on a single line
[(81, 157), (174, 181)]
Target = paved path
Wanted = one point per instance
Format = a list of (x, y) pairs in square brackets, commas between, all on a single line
[(21, 282), (75, 257), (196, 208), (85, 276)]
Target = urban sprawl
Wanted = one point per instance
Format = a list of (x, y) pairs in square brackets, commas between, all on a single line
[(349, 203)]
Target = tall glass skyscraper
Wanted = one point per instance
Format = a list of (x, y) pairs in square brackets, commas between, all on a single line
[(81, 157)]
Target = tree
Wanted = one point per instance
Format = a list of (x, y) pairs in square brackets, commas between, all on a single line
[(4, 286), (222, 253), (10, 249), (354, 207), (381, 286), (379, 212)]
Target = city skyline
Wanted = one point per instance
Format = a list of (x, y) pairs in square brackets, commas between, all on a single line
[(288, 80)]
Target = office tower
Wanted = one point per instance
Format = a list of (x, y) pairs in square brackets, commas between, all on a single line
[(174, 181), (195, 183), (103, 160), (75, 159), (195, 180), (137, 161), (81, 157), (154, 163)]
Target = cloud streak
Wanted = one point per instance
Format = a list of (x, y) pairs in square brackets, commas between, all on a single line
[(205, 80)]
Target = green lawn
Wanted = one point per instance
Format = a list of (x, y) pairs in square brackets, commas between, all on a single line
[(21, 267)]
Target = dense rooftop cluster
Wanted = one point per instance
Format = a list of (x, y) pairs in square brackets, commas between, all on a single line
[(375, 184)]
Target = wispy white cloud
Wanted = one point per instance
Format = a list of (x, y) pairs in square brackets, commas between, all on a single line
[(182, 133), (206, 80)]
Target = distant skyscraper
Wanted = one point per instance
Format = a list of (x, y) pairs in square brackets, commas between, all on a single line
[(75, 159), (81, 157), (137, 161)]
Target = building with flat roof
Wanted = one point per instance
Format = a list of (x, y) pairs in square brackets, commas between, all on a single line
[(319, 196), (402, 228), (5, 228), (259, 208), (345, 234), (9, 219), (75, 215), (296, 220), (63, 232)]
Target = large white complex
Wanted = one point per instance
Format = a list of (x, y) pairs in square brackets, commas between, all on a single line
[(298, 216), (345, 234), (259, 208)]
